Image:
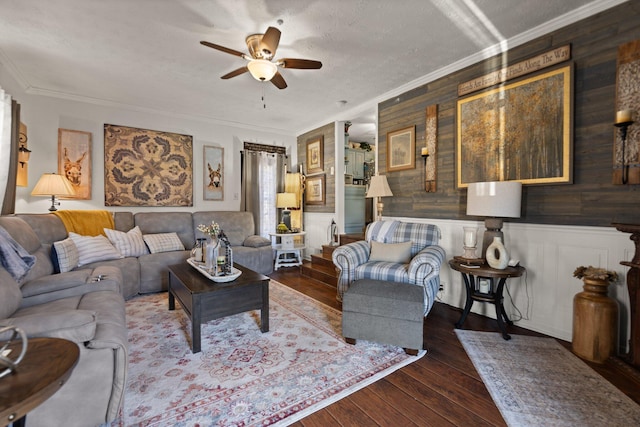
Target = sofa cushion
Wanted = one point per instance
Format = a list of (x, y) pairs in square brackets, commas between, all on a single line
[(390, 252), (93, 248), (256, 242), (10, 295), (56, 319), (64, 255), (163, 242), (130, 243)]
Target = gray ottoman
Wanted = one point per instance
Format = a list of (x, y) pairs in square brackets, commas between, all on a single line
[(384, 312)]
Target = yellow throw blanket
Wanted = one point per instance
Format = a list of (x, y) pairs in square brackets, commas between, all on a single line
[(86, 222)]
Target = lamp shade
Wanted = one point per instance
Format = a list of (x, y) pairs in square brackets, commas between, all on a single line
[(262, 70), (286, 200), (51, 184), (379, 187), (500, 199)]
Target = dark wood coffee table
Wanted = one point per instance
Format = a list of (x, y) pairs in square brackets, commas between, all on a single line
[(203, 299)]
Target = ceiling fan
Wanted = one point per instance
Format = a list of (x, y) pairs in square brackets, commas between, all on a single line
[(262, 49)]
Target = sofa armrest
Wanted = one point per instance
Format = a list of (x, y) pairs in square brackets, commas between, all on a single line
[(78, 326), (347, 258), (426, 265)]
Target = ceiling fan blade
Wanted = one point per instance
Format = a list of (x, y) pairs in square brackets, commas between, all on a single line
[(278, 81), (269, 42), (234, 73), (303, 64), (223, 49)]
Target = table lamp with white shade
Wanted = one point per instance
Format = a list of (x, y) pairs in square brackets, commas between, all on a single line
[(494, 200), (52, 185), (379, 187)]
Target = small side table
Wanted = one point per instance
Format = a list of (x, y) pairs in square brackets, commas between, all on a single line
[(287, 250), (477, 277), (46, 366)]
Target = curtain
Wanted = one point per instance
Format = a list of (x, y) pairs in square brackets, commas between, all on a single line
[(9, 134), (262, 178)]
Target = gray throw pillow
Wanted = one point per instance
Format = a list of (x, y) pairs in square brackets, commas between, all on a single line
[(256, 242)]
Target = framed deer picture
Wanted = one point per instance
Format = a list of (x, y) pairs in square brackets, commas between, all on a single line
[(213, 173), (74, 161)]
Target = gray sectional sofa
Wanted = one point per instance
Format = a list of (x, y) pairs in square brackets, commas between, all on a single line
[(76, 306)]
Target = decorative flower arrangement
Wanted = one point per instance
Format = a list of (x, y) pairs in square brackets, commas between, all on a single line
[(213, 230), (595, 273)]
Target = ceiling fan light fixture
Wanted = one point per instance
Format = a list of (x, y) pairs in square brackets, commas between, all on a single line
[(262, 69)]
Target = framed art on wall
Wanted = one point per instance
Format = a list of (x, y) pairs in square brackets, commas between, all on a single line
[(148, 168), (74, 161), (315, 155), (314, 192), (401, 149), (213, 167), (517, 132)]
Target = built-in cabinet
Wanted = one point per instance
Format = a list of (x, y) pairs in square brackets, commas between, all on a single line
[(354, 163)]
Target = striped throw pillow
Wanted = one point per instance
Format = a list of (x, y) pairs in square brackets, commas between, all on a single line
[(65, 255), (163, 242), (128, 244), (92, 249)]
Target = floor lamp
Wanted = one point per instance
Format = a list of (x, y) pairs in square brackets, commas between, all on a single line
[(379, 187), (494, 200)]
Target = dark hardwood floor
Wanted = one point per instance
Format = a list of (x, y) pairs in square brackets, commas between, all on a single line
[(442, 388)]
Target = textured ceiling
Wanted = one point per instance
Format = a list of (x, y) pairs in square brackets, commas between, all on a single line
[(146, 53)]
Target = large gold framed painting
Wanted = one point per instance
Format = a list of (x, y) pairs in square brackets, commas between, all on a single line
[(145, 167), (518, 132)]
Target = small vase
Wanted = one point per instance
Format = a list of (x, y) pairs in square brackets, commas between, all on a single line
[(497, 256), (211, 255)]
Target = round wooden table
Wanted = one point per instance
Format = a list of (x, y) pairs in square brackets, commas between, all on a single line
[(474, 276), (46, 366)]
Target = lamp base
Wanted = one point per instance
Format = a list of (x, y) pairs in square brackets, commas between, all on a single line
[(286, 219), (53, 204), (493, 229)]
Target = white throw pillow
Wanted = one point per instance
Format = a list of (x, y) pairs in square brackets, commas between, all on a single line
[(67, 255), (93, 248), (390, 252), (130, 243), (163, 242)]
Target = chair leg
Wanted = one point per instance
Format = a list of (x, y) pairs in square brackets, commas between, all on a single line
[(351, 341)]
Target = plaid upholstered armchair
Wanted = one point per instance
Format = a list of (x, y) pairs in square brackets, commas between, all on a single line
[(393, 251)]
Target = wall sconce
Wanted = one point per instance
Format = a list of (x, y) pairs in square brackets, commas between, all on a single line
[(23, 155), (51, 184), (425, 154), (624, 119)]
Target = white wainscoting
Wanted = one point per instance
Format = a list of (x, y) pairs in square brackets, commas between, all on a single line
[(317, 227), (542, 299)]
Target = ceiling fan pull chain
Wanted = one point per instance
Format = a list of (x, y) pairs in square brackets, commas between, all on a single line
[(264, 103)]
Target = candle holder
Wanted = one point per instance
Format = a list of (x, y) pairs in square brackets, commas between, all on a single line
[(470, 242), (623, 121)]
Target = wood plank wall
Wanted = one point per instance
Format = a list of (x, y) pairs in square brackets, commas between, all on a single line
[(592, 199), (328, 133)]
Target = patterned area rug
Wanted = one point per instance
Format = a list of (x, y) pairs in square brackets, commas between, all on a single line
[(537, 382), (243, 377)]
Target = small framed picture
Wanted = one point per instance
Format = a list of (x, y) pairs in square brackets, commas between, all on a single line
[(74, 161), (315, 155), (401, 149), (213, 167), (314, 193)]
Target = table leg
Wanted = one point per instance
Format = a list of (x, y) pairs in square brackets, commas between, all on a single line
[(196, 320), (172, 299), (469, 284), (500, 313), (264, 311)]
